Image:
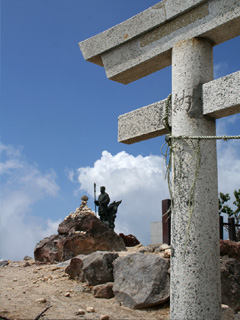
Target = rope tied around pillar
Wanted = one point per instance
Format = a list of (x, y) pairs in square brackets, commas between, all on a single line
[(171, 143)]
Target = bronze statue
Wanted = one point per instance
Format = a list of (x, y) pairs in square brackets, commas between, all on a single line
[(107, 213)]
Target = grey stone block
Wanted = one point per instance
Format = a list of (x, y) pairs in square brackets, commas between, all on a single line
[(142, 124), (143, 44), (221, 97), (93, 47)]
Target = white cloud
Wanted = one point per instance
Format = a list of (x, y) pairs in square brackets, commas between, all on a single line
[(228, 166), (228, 157), (224, 124), (22, 185), (70, 174), (137, 181)]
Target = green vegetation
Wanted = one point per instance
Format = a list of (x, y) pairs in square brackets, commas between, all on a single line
[(225, 208)]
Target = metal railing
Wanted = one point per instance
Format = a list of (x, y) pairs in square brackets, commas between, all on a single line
[(166, 224)]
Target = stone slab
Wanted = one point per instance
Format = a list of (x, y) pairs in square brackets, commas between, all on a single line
[(142, 124), (142, 45), (220, 97), (165, 10)]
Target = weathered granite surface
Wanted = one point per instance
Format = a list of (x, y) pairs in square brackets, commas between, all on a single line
[(218, 98), (129, 29), (221, 97), (191, 267), (142, 124), (142, 45)]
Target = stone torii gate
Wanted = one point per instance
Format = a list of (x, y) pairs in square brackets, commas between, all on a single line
[(181, 33)]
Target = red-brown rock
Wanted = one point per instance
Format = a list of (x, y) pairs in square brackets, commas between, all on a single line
[(230, 248), (78, 234), (129, 240), (104, 291)]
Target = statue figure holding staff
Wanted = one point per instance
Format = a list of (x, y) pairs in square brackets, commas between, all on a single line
[(106, 213), (102, 203)]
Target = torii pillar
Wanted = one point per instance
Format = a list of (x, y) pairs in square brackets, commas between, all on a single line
[(181, 33), (195, 263)]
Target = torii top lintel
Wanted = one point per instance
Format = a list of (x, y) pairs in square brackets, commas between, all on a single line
[(142, 44)]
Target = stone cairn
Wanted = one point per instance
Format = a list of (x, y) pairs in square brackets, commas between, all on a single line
[(81, 232), (83, 209)]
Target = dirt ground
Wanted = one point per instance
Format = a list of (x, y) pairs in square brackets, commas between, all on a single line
[(23, 283)]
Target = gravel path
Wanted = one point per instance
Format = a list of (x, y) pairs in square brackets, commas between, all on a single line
[(27, 289)]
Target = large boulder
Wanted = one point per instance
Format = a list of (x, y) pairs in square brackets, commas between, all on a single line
[(95, 269), (230, 282), (80, 233), (141, 280), (230, 248)]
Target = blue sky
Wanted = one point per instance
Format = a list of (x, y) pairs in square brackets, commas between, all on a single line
[(59, 122)]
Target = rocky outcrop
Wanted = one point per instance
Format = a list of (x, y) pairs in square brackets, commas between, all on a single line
[(230, 248), (81, 232), (95, 269), (141, 280), (230, 282), (129, 240), (140, 276)]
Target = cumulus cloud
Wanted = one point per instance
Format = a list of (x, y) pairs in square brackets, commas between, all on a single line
[(228, 157), (22, 185), (228, 166), (224, 124), (137, 181)]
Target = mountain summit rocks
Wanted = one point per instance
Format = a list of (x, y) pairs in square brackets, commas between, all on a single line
[(141, 281), (81, 232)]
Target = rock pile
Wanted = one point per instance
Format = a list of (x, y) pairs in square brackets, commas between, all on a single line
[(139, 277), (81, 232)]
